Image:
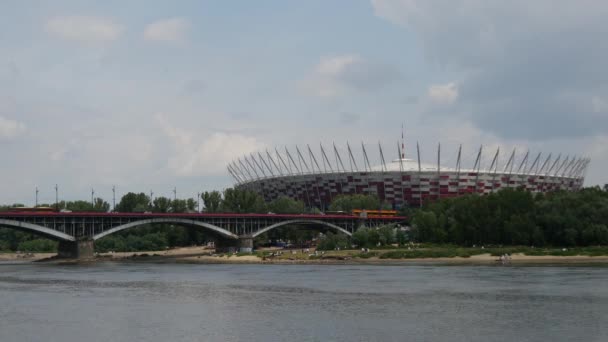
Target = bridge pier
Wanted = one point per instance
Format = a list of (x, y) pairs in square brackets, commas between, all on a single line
[(225, 245), (81, 249), (245, 244)]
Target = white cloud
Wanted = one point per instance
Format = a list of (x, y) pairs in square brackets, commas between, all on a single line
[(397, 11), (204, 154), (443, 94), (337, 65), (515, 61), (10, 129), (167, 30), (335, 75), (84, 29)]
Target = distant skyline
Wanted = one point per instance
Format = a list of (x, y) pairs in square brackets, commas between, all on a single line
[(152, 95)]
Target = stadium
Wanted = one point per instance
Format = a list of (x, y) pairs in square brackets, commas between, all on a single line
[(316, 177)]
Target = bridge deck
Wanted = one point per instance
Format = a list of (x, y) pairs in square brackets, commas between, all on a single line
[(193, 215), (94, 225)]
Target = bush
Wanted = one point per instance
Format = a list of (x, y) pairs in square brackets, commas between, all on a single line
[(38, 245), (332, 241)]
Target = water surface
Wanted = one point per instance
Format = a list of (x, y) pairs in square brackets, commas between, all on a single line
[(163, 302)]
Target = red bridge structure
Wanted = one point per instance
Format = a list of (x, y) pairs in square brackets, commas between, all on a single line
[(77, 231)]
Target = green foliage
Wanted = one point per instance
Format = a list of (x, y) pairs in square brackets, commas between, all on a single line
[(516, 217), (376, 237), (347, 203), (38, 245), (286, 205), (401, 237), (151, 237), (183, 206), (361, 238), (212, 201), (435, 253), (161, 205), (386, 235), (331, 241), (242, 201), (15, 240), (4, 246), (133, 202), (98, 205)]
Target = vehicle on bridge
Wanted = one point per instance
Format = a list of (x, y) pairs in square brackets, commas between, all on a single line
[(374, 213), (364, 213)]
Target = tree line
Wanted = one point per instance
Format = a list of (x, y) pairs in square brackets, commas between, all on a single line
[(516, 217), (507, 217)]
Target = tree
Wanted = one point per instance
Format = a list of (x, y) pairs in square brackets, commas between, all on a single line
[(595, 234), (386, 235), (361, 237), (179, 206), (331, 241), (191, 204), (161, 205), (77, 206), (425, 226), (349, 202), (38, 245), (183, 205), (401, 237), (373, 238), (286, 205), (133, 202), (242, 201), (100, 205), (212, 201)]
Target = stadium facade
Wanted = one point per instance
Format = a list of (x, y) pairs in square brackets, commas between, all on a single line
[(317, 178)]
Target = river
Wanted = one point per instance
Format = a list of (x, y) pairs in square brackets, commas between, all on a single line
[(176, 302)]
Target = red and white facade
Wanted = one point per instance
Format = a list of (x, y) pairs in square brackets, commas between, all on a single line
[(399, 182)]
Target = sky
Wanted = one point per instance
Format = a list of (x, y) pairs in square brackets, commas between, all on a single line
[(156, 95)]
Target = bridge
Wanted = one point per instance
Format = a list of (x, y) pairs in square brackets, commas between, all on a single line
[(76, 232)]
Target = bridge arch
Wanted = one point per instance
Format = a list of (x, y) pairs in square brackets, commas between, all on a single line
[(223, 232), (304, 222), (37, 229)]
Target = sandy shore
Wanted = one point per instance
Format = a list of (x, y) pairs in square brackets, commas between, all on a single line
[(25, 256), (205, 256)]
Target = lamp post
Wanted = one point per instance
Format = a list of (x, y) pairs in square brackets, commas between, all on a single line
[(56, 197), (36, 197), (198, 202), (113, 198), (93, 198)]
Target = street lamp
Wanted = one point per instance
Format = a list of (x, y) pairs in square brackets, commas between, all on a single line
[(198, 202), (56, 197), (93, 198), (113, 198), (36, 198)]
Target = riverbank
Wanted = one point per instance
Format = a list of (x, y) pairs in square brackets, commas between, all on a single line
[(434, 255), (25, 256)]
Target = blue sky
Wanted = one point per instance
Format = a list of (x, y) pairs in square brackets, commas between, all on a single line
[(148, 95)]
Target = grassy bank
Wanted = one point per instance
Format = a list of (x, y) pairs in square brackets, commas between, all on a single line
[(437, 251)]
